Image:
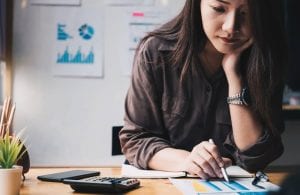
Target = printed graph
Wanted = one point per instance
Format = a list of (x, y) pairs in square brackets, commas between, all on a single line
[(219, 186), (239, 186), (86, 31), (62, 35), (77, 58)]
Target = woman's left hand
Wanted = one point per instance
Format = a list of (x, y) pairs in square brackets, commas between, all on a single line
[(230, 60)]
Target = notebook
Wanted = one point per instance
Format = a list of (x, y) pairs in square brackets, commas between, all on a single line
[(133, 172)]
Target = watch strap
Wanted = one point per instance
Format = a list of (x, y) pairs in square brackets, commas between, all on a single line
[(237, 99)]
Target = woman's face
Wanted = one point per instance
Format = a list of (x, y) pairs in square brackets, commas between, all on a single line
[(226, 23)]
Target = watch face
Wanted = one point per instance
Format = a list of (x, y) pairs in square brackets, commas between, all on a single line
[(246, 96)]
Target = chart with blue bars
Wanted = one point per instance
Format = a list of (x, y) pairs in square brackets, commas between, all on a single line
[(240, 186), (62, 35), (78, 58)]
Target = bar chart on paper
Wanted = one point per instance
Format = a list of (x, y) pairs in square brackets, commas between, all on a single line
[(237, 186)]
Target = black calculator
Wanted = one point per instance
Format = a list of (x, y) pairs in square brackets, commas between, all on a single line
[(99, 184)]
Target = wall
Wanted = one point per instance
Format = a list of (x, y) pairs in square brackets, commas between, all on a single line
[(68, 120)]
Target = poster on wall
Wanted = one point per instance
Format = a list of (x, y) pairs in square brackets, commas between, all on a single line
[(56, 2), (140, 21), (130, 2), (78, 42)]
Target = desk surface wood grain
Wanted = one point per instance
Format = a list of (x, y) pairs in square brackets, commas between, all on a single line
[(33, 186)]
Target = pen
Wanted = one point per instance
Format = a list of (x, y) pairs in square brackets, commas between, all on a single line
[(224, 173)]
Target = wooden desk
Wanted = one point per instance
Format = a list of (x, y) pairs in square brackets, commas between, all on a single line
[(32, 186)]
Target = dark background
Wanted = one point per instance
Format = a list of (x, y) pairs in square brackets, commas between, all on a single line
[(2, 28), (292, 13)]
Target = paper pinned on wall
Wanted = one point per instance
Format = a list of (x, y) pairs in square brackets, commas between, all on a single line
[(56, 2), (140, 20), (130, 2), (78, 47)]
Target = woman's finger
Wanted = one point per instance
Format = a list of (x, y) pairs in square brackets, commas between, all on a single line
[(227, 162), (213, 150), (212, 162), (194, 169)]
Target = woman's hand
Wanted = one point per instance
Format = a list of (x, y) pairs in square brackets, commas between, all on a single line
[(230, 60), (205, 161)]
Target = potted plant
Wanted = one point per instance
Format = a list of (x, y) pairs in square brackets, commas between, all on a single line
[(10, 152)]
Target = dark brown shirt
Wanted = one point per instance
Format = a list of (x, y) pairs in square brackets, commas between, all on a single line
[(161, 112)]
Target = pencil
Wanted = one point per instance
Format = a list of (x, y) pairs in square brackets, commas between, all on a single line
[(7, 115)]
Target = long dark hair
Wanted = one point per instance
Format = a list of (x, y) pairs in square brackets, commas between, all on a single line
[(263, 63)]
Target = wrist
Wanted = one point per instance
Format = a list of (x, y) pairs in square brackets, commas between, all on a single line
[(234, 86)]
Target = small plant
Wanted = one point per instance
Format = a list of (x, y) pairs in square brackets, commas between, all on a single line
[(10, 149), (10, 145)]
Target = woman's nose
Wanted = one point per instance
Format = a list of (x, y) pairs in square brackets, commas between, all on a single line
[(230, 24)]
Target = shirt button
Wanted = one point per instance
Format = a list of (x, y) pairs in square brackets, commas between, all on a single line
[(208, 89)]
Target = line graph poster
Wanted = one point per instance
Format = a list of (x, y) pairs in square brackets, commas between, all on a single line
[(78, 41)]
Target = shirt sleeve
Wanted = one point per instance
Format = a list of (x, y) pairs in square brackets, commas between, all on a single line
[(258, 156), (143, 133), (267, 148)]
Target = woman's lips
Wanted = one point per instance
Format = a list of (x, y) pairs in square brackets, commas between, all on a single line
[(229, 41)]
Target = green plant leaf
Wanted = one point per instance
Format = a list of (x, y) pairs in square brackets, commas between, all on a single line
[(10, 149)]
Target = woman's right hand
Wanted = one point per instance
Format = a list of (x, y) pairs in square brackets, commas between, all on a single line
[(205, 161)]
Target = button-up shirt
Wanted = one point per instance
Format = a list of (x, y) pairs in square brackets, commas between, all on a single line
[(163, 112)]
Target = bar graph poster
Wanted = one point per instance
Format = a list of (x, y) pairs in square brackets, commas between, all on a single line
[(79, 40)]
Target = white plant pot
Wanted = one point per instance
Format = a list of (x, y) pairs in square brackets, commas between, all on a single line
[(10, 180)]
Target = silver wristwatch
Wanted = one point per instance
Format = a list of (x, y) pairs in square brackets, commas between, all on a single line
[(241, 98)]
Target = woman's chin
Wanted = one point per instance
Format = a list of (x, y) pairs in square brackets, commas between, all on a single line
[(225, 49)]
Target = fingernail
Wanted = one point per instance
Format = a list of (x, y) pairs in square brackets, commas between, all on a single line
[(220, 175), (221, 164)]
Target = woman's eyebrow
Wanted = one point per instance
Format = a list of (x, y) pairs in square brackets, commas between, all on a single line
[(222, 1)]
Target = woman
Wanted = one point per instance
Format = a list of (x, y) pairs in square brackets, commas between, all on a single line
[(213, 72)]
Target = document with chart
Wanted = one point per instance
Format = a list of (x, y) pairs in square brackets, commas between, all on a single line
[(236, 186)]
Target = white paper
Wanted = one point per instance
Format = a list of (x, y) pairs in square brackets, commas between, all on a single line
[(237, 171), (133, 172)]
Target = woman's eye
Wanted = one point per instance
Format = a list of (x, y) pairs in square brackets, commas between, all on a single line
[(243, 13), (218, 9)]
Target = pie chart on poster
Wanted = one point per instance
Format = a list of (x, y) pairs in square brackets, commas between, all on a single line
[(86, 32)]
